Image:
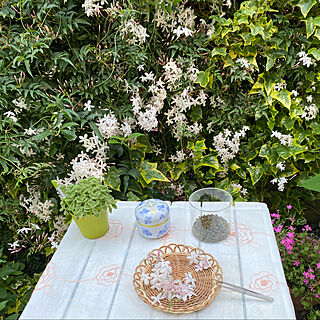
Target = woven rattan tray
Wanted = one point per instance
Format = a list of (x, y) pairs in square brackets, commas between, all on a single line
[(205, 290)]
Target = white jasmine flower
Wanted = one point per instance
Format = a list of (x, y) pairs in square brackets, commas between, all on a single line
[(204, 263), (305, 59), (135, 31), (280, 166), (285, 139), (20, 103), (147, 76), (91, 7), (193, 257), (141, 67), (14, 245), (24, 230), (294, 93), (183, 31), (244, 63), (145, 277), (88, 106), (30, 132), (157, 299), (244, 191), (280, 181), (54, 245), (310, 112), (309, 98), (11, 115), (279, 86)]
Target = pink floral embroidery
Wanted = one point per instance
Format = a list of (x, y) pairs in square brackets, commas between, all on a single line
[(245, 235), (48, 274), (264, 282), (115, 229), (108, 275), (169, 236)]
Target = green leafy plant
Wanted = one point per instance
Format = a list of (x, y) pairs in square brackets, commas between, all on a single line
[(88, 197)]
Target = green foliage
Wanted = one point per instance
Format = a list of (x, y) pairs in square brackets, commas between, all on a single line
[(87, 197)]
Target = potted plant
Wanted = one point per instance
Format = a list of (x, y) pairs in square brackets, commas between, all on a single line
[(88, 202)]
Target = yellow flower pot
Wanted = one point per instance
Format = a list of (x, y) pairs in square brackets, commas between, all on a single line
[(93, 227)]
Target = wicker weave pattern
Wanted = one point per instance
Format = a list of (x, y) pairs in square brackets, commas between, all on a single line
[(177, 254)]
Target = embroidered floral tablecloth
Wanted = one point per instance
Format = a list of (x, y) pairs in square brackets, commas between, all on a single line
[(92, 279)]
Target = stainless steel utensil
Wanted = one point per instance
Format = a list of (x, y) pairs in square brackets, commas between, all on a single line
[(248, 292)]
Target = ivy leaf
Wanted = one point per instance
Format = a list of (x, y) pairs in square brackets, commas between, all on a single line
[(219, 51), (312, 183), (269, 153), (286, 152), (177, 170), (112, 179), (207, 161), (203, 78), (310, 26), (315, 52), (306, 5), (150, 173), (132, 197), (255, 173), (283, 97), (270, 62)]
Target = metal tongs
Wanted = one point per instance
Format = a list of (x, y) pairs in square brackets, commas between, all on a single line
[(248, 292)]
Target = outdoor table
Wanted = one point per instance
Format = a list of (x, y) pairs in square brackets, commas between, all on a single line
[(92, 279)]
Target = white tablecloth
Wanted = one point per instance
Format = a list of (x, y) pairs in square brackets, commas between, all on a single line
[(92, 279)]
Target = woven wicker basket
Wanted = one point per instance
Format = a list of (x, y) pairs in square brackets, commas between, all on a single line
[(205, 289)]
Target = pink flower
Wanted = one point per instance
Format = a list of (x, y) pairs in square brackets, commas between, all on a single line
[(311, 288), (307, 228), (290, 235), (317, 296), (306, 274), (278, 229), (296, 263), (275, 215), (311, 276), (291, 228), (310, 270), (306, 281), (289, 206), (318, 265), (292, 219)]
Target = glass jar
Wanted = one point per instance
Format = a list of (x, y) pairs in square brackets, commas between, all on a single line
[(211, 210)]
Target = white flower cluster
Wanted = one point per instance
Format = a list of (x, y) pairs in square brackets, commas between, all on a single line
[(279, 86), (201, 262), (243, 191), (305, 59), (34, 205), (280, 181), (285, 139), (310, 112), (11, 115), (136, 32), (146, 113), (161, 279), (280, 166), (20, 103), (227, 144), (244, 63), (176, 117), (172, 73), (108, 126), (92, 7), (180, 156), (181, 21)]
